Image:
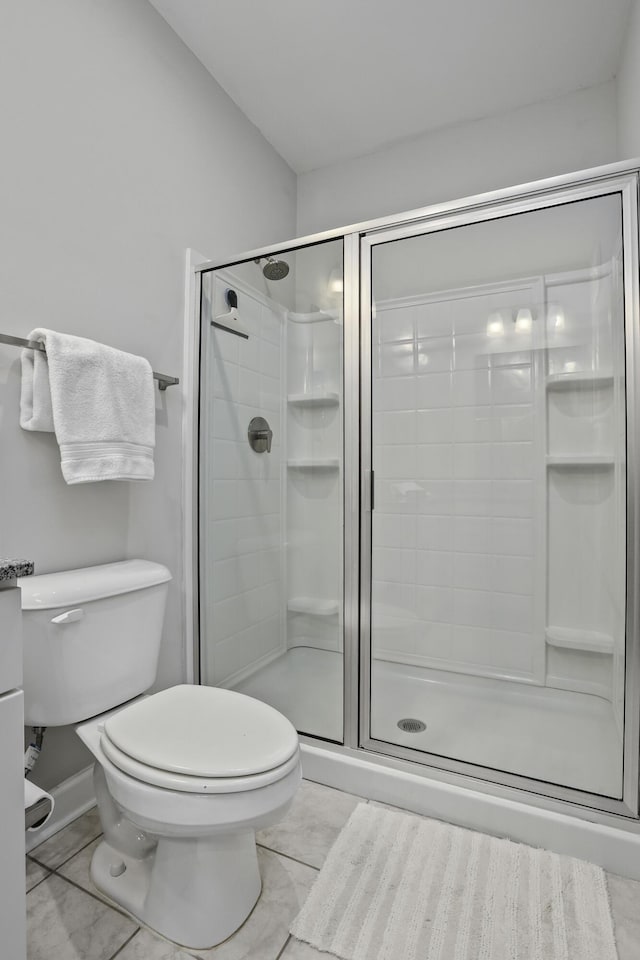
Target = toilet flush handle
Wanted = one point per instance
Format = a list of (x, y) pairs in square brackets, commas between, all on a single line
[(69, 616)]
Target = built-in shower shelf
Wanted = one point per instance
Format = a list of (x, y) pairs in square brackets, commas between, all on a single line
[(583, 378), (317, 316), (326, 399), (331, 463), (571, 461), (313, 606), (574, 639)]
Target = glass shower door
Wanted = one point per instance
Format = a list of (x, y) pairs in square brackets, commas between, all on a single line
[(495, 636), (271, 483)]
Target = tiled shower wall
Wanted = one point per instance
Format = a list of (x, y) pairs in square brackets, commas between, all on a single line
[(242, 608), (455, 464)]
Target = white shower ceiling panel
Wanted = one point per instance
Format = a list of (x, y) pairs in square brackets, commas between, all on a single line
[(331, 80)]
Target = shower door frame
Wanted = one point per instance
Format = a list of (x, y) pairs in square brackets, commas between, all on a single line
[(357, 742), (626, 186)]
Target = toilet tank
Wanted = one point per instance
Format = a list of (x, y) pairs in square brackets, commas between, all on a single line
[(91, 638)]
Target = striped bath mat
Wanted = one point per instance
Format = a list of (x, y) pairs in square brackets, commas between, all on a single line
[(399, 887)]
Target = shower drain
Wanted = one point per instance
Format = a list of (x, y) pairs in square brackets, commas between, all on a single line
[(409, 725)]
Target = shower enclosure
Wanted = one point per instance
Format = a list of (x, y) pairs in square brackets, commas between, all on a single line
[(424, 552)]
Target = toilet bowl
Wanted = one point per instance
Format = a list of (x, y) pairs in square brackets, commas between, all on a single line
[(183, 777), (195, 771)]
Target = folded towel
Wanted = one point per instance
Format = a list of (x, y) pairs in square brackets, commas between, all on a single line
[(100, 403), (35, 395)]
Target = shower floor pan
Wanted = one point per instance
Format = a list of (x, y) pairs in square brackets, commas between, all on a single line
[(556, 736), (306, 685)]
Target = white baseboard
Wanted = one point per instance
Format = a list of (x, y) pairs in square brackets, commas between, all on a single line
[(73, 797)]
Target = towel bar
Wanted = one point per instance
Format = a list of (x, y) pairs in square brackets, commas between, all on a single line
[(163, 380)]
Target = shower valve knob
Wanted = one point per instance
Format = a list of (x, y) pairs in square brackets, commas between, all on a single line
[(260, 435)]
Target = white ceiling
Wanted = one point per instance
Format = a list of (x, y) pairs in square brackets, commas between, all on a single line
[(332, 79)]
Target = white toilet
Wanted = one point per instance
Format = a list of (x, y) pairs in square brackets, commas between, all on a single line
[(183, 777)]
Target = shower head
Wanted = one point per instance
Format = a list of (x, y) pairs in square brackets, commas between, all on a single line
[(274, 269)]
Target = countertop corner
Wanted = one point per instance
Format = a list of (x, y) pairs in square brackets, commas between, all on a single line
[(11, 569)]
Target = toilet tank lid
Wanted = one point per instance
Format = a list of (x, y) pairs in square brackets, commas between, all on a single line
[(49, 591)]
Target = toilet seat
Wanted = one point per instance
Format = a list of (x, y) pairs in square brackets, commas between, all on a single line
[(198, 739), (183, 783)]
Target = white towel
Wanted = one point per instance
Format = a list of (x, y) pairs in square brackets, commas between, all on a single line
[(100, 403)]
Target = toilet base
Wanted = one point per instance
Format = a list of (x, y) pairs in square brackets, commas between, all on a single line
[(196, 892)]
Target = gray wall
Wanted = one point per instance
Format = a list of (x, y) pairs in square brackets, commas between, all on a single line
[(119, 151), (557, 136), (629, 90)]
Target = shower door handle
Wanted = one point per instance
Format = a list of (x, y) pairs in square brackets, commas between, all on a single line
[(369, 497)]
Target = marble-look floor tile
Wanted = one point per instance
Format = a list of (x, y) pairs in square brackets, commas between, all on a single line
[(297, 950), (64, 923), (64, 844), (308, 831), (77, 869), (35, 873), (146, 946), (285, 886), (624, 896), (395, 809)]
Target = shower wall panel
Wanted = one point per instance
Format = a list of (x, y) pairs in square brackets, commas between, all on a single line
[(314, 493), (241, 594), (454, 527), (585, 481)]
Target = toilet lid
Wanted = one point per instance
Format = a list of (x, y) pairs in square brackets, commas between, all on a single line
[(203, 732)]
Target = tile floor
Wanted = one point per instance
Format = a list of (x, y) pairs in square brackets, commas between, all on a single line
[(69, 920)]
